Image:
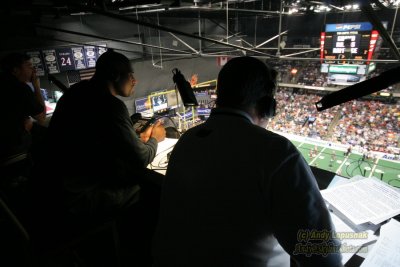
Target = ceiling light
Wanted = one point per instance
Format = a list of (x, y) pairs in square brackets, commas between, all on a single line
[(356, 6)]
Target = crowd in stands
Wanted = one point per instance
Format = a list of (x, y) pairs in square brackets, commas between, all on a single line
[(311, 75), (284, 70), (297, 114), (370, 125)]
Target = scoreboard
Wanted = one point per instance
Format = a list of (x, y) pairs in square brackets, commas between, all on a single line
[(348, 41)]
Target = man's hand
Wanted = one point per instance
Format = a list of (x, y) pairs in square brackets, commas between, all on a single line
[(35, 80), (28, 124), (157, 131), (41, 117)]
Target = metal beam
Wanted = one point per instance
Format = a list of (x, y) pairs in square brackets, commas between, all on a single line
[(278, 53), (369, 12), (302, 52), (353, 60), (187, 56), (184, 43), (208, 9), (108, 38), (232, 34), (162, 28), (270, 39), (394, 20)]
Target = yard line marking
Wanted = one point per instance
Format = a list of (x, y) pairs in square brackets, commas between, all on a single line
[(317, 156), (373, 168), (341, 165), (300, 145)]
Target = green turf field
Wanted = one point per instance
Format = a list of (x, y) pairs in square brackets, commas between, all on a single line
[(348, 166)]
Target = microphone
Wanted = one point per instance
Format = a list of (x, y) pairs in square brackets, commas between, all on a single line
[(149, 123), (136, 117), (375, 84), (184, 88)]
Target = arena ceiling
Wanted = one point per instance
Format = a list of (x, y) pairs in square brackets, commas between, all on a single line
[(38, 18)]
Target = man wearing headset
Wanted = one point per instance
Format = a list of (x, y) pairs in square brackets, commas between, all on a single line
[(235, 194), (94, 148)]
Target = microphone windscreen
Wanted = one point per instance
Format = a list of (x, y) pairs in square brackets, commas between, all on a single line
[(136, 117)]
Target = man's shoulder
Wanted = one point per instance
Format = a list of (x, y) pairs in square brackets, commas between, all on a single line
[(12, 85), (272, 139), (79, 87)]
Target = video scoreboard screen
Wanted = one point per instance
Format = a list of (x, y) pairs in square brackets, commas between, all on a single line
[(348, 41)]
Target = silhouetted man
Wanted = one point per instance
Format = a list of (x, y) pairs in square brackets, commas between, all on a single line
[(94, 148), (234, 192), (18, 104)]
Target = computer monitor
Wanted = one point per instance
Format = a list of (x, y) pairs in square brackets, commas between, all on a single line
[(173, 100), (142, 104), (203, 111), (159, 103)]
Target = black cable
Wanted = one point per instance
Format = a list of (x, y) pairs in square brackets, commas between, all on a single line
[(166, 116), (175, 126), (391, 180), (213, 100), (158, 165)]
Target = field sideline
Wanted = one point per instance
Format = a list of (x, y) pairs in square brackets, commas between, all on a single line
[(349, 166)]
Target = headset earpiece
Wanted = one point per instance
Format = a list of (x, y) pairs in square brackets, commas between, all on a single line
[(117, 81), (266, 106)]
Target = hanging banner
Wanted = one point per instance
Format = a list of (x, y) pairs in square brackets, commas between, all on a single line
[(79, 58), (51, 61), (65, 59), (91, 56), (37, 62), (101, 50)]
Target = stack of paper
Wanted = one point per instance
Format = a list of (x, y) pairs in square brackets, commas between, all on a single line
[(385, 253), (363, 201), (351, 242)]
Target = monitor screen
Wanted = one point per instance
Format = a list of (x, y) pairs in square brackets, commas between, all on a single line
[(142, 104), (159, 102), (203, 111), (172, 100)]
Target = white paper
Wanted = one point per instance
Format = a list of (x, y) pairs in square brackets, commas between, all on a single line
[(367, 200), (386, 252), (351, 242), (160, 162)]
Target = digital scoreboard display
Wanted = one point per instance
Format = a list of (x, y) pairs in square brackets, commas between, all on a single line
[(348, 41)]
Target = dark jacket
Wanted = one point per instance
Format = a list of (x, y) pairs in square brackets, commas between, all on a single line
[(94, 149), (232, 191), (17, 103)]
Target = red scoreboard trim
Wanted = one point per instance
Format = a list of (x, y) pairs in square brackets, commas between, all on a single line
[(322, 46), (372, 44)]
